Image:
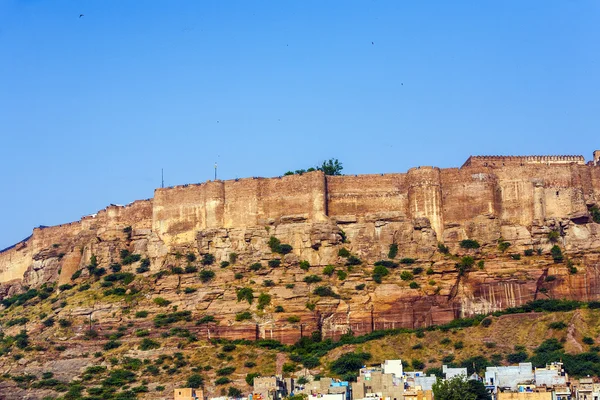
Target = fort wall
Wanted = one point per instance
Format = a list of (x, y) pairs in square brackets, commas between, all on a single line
[(473, 201)]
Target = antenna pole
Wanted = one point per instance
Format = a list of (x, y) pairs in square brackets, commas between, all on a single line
[(215, 170), (162, 178)]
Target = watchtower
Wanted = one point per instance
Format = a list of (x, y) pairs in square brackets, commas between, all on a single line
[(597, 157)]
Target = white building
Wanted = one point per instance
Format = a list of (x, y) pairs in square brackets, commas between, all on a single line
[(393, 367), (450, 373), (508, 377), (552, 375)]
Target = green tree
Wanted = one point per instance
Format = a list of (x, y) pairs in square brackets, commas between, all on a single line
[(457, 388), (331, 167)]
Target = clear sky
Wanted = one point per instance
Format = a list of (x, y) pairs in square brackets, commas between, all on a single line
[(92, 107)]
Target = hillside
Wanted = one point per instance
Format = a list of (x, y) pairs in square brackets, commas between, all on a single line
[(276, 260)]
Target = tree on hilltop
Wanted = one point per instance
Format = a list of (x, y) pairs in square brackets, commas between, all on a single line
[(331, 167)]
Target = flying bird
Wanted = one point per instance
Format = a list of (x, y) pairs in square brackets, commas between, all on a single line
[(80, 15), (372, 42)]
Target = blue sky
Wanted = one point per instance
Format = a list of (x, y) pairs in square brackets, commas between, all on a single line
[(92, 108)]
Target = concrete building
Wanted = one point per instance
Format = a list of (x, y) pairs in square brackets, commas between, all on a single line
[(270, 388), (587, 390), (450, 373), (393, 367), (188, 394), (524, 396), (508, 378), (326, 389), (374, 383), (552, 375)]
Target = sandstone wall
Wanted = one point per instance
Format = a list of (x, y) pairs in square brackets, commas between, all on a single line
[(182, 211)]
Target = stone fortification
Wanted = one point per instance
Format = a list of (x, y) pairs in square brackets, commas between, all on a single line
[(518, 199)]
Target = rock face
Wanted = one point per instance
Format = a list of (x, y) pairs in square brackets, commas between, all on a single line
[(517, 200)]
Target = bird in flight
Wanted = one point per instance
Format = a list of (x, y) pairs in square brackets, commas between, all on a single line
[(80, 15), (372, 42)]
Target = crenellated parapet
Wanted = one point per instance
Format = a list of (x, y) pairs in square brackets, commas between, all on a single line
[(501, 161)]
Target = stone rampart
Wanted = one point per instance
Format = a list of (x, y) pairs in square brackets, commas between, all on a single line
[(473, 201), (502, 161)]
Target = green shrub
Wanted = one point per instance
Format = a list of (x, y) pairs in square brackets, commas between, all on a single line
[(161, 302), (130, 259), (386, 263), (469, 244), (407, 260), (274, 263), (414, 285), (360, 286), (465, 264), (242, 316), (417, 364), (148, 344), (166, 319), (595, 212), (274, 244), (64, 323), (515, 256), (528, 252), (233, 258), (206, 275), (518, 357), (245, 293), (310, 306), (115, 267), (305, 265), (65, 287), (190, 269), (557, 325), (141, 314), (353, 260), (349, 364), (588, 340), (312, 279), (112, 344), (293, 319), (442, 248), (223, 380), (458, 345), (328, 270), (550, 278), (255, 266), (417, 270), (380, 271), (238, 275), (279, 309), (189, 290), (503, 245), (206, 319), (343, 252), (207, 259), (142, 332), (393, 251), (234, 392), (263, 301), (225, 371), (342, 275), (486, 322), (407, 276), (268, 283), (194, 381), (553, 236), (325, 291), (144, 266), (224, 264), (557, 255), (76, 275)]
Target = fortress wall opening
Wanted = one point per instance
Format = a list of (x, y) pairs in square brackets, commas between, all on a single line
[(366, 194)]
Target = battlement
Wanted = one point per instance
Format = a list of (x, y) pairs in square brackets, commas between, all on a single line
[(500, 161)]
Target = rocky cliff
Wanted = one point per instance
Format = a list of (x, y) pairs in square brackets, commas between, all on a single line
[(350, 223), (282, 258)]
